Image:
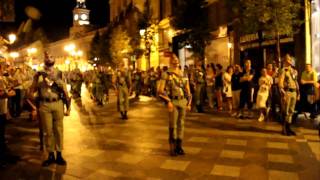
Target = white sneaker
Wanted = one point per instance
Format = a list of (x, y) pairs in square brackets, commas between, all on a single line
[(261, 118)]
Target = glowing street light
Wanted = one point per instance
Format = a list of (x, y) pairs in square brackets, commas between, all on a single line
[(69, 47), (79, 53), (14, 55), (12, 38), (142, 32), (32, 50)]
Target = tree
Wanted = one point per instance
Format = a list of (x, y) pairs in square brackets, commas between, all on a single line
[(119, 45), (276, 17), (145, 18), (191, 16)]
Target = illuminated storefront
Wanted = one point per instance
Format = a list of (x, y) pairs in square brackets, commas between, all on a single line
[(315, 34)]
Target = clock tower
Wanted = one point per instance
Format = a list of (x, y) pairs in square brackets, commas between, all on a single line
[(80, 19)]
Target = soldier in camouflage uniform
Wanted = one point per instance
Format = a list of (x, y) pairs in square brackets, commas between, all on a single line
[(174, 89), (51, 109), (289, 89), (199, 78), (76, 80), (137, 83), (123, 89)]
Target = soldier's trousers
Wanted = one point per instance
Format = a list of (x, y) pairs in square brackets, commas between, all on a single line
[(289, 105), (51, 115), (123, 99), (199, 94), (177, 117)]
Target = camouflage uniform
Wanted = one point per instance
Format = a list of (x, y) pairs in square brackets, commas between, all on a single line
[(123, 84), (290, 91)]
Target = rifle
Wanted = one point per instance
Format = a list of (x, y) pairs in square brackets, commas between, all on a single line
[(61, 93)]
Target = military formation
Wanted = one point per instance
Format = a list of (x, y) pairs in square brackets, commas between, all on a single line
[(199, 88)]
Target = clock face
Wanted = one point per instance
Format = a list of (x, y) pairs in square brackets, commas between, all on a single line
[(84, 17), (76, 17)]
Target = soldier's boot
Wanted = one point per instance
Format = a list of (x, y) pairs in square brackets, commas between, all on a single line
[(172, 143), (289, 130), (51, 159), (199, 109), (284, 129), (125, 115), (60, 160), (179, 149), (122, 114)]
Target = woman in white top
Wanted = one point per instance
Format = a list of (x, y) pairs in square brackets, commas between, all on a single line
[(227, 90), (265, 82)]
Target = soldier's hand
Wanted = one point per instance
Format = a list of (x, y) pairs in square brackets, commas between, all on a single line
[(170, 106), (189, 107), (298, 97), (11, 93)]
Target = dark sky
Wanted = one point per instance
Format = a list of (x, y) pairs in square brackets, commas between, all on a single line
[(57, 14)]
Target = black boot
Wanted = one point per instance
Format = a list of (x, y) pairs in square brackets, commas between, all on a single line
[(289, 130), (125, 116), (50, 160), (284, 128), (122, 114), (60, 160), (172, 143), (199, 109), (179, 149)]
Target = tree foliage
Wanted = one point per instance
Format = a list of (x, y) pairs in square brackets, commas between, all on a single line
[(275, 17), (145, 18), (191, 16), (120, 46)]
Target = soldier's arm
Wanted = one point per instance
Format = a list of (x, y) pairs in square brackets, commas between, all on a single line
[(189, 94), (162, 93), (281, 82)]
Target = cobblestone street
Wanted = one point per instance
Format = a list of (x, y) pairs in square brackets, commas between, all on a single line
[(99, 145)]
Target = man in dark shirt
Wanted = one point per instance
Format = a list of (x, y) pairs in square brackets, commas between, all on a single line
[(246, 94), (236, 87)]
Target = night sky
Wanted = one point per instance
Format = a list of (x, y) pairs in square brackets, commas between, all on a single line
[(57, 14)]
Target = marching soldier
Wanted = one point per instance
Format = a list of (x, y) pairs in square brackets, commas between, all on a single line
[(123, 89), (76, 80), (137, 83), (199, 87), (174, 89), (50, 86), (289, 88)]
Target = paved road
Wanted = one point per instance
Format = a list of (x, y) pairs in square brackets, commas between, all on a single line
[(98, 145)]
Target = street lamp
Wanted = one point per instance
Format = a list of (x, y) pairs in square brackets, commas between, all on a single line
[(14, 55), (12, 38), (31, 52), (142, 32), (70, 47)]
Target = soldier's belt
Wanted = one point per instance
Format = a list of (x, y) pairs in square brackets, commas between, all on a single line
[(291, 90), (49, 99), (177, 97)]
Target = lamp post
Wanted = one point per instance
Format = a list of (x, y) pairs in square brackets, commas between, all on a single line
[(31, 52)]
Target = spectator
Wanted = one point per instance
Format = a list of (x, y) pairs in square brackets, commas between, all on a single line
[(219, 86), (210, 81), (309, 83), (246, 94), (236, 87), (265, 82), (227, 87)]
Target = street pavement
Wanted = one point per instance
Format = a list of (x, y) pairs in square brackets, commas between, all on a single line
[(99, 145)]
